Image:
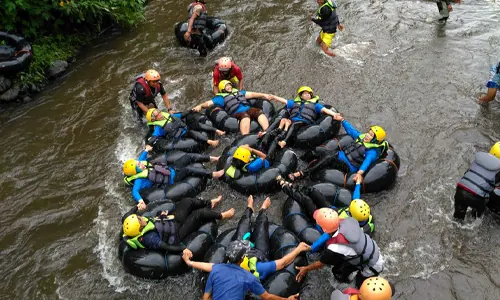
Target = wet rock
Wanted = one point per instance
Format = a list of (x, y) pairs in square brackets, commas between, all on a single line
[(10, 94), (5, 84), (58, 67), (34, 88), (24, 90), (27, 99)]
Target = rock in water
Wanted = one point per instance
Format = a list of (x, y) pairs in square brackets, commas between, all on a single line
[(58, 67)]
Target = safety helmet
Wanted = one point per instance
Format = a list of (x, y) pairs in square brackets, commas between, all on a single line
[(327, 219), (304, 89), (236, 250), (149, 114), (132, 226), (242, 154), (224, 64), (375, 288), (359, 210), (129, 167), (379, 132), (152, 75), (223, 83), (495, 150)]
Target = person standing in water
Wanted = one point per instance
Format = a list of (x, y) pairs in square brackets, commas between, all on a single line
[(444, 7), (326, 17), (493, 84)]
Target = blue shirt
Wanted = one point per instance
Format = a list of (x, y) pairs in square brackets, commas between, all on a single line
[(317, 108), (371, 155), (257, 164), (159, 131), (231, 282), (219, 102)]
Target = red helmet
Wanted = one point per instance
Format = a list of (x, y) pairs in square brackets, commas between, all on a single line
[(224, 64)]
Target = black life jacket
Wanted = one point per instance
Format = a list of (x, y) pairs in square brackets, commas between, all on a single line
[(233, 100), (305, 109), (201, 21), (355, 149)]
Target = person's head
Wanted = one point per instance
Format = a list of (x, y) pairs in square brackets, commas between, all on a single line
[(495, 150), (359, 210), (375, 288), (132, 167), (320, 2), (154, 114), (241, 157), (133, 225), (224, 65), (375, 134), (305, 93), (327, 219), (225, 86), (236, 251), (152, 77)]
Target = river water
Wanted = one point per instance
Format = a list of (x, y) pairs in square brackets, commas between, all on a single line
[(62, 188)]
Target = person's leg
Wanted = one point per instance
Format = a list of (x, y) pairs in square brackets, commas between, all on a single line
[(490, 95), (326, 42), (200, 44), (291, 133), (326, 159), (199, 217), (478, 205), (460, 204), (245, 125), (184, 208), (190, 158), (244, 223), (301, 196), (260, 233), (200, 137), (263, 121), (180, 174)]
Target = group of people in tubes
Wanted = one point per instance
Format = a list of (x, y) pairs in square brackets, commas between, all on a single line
[(249, 257)]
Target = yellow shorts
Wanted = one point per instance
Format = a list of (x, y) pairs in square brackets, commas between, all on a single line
[(234, 80), (326, 38)]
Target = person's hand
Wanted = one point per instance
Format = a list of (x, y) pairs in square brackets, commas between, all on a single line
[(197, 108), (340, 27), (148, 148), (246, 146), (338, 117), (186, 252), (450, 8), (219, 132), (187, 36), (304, 247), (141, 206), (357, 177), (268, 97), (301, 274), (186, 258), (294, 297)]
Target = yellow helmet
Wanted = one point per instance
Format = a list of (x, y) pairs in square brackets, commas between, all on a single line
[(149, 114), (359, 210), (129, 167), (223, 83), (132, 226), (375, 288), (379, 132), (304, 89), (495, 150), (242, 154)]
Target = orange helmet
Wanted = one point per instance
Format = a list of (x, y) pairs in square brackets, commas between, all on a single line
[(327, 219), (375, 288), (224, 64), (152, 75)]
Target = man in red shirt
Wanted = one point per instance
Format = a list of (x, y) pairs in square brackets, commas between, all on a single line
[(226, 69)]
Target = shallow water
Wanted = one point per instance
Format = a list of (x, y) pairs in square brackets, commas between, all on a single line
[(62, 188)]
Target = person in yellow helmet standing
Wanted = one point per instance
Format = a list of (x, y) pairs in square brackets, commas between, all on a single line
[(478, 183), (373, 288), (326, 17), (356, 156), (146, 88)]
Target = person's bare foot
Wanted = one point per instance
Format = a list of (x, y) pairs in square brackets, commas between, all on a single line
[(219, 132), (216, 201), (218, 174), (295, 175), (282, 144), (214, 158), (213, 143), (228, 214), (250, 201), (266, 203), (261, 134)]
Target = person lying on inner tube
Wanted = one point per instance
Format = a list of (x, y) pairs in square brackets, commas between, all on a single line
[(247, 160), (226, 69), (171, 127), (347, 250), (141, 174), (356, 157), (147, 87), (304, 110), (166, 231), (236, 104), (242, 256), (373, 288)]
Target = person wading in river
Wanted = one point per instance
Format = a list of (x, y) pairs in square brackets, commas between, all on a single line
[(444, 7), (226, 69), (195, 34), (326, 17), (493, 84), (374, 288), (146, 88), (477, 183)]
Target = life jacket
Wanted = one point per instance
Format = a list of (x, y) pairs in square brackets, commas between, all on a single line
[(250, 264), (134, 242), (480, 177), (355, 149), (201, 21), (174, 127), (328, 25), (167, 228), (498, 68), (305, 109), (158, 173), (367, 251), (367, 226), (149, 97), (233, 100), (347, 294)]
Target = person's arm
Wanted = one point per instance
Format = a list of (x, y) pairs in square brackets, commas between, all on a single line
[(216, 80), (350, 130), (202, 266), (303, 270), (320, 243), (196, 13), (277, 99), (144, 154), (207, 296), (206, 104), (267, 296), (257, 152), (238, 74), (254, 95), (357, 192), (240, 84), (329, 112), (133, 210), (139, 184), (370, 157)]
